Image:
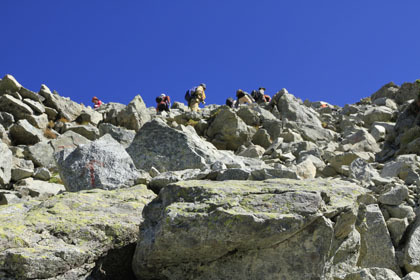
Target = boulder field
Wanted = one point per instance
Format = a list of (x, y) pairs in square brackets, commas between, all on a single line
[(288, 189)]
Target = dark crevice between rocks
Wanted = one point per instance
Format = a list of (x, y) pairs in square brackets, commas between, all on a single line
[(116, 265)]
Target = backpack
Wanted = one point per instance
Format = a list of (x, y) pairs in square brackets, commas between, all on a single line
[(158, 99), (257, 96), (190, 94), (230, 102)]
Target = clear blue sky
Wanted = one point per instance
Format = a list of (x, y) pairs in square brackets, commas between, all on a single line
[(337, 51)]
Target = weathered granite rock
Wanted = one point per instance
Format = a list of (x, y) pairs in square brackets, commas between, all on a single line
[(24, 133), (22, 169), (28, 94), (37, 107), (397, 229), (6, 119), (14, 106), (363, 171), (41, 154), (69, 233), (374, 273), (9, 83), (262, 138), (377, 249), (122, 135), (100, 164), (378, 114), (9, 197), (68, 140), (412, 248), (389, 90), (5, 164), (242, 230), (227, 130), (306, 169), (253, 151), (88, 131), (177, 150), (37, 188), (88, 115), (163, 179), (38, 121), (378, 132), (361, 141), (395, 196), (412, 276), (66, 108), (42, 173)]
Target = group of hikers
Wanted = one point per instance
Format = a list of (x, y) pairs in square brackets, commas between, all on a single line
[(196, 96)]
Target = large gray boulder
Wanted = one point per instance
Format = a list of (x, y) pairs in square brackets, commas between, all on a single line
[(65, 236), (276, 229), (377, 114), (41, 154), (167, 149), (228, 131), (377, 249), (122, 135), (9, 84), (66, 108), (24, 133), (14, 106), (412, 249), (5, 164), (100, 164)]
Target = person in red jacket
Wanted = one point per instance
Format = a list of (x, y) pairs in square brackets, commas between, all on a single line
[(97, 103), (163, 103)]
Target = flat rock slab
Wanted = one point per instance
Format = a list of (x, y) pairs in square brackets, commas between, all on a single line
[(68, 231), (274, 229)]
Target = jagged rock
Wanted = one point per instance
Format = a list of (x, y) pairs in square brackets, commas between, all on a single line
[(316, 161), (306, 169), (177, 150), (241, 229), (9, 83), (378, 132), (9, 197), (341, 160), (22, 169), (374, 273), (389, 90), (122, 135), (363, 171), (6, 119), (395, 196), (249, 116), (88, 131), (273, 127), (377, 249), (69, 232), (66, 108), (290, 136), (133, 116), (401, 167), (68, 140), (5, 164), (161, 180), (262, 138), (401, 211), (14, 106), (100, 164), (42, 173), (37, 107), (253, 151), (360, 141), (28, 94), (24, 133), (397, 229), (4, 136), (38, 121), (37, 188), (383, 101), (228, 131), (412, 248), (377, 114), (412, 276), (233, 174), (51, 113), (41, 154), (88, 115)]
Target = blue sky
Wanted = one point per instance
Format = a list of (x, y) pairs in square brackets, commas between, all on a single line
[(336, 51)]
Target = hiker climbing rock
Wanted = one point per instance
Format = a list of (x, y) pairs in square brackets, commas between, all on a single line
[(259, 96), (163, 103), (97, 103), (231, 102), (195, 96), (243, 98)]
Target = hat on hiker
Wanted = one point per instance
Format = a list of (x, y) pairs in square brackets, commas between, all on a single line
[(162, 95), (94, 98), (203, 85), (263, 88)]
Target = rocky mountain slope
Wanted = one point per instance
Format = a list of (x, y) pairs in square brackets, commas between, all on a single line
[(281, 190)]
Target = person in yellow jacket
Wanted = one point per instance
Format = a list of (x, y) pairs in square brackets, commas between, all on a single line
[(198, 97)]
